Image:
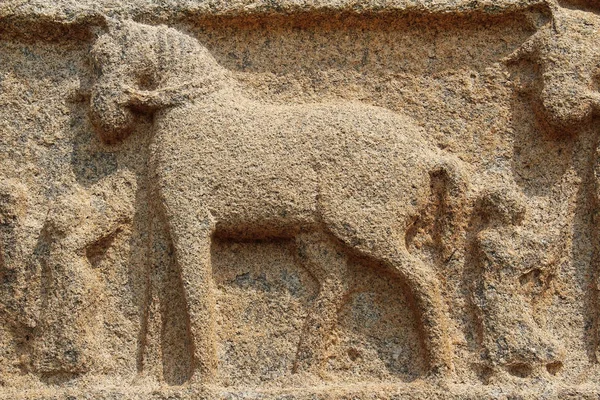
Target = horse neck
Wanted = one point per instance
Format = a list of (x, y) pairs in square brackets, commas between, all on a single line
[(197, 86)]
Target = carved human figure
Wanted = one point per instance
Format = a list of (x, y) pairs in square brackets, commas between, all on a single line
[(515, 269), (353, 176), (68, 335)]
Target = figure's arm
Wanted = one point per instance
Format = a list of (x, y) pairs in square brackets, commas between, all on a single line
[(87, 216), (112, 206)]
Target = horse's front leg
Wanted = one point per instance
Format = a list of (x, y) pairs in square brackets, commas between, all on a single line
[(191, 232)]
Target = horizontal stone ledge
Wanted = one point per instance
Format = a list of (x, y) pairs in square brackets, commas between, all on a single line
[(49, 19), (418, 390)]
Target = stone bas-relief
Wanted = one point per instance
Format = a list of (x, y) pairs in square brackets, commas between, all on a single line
[(514, 264), (209, 226), (315, 172), (61, 330)]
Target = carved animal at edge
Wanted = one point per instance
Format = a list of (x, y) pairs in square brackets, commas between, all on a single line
[(565, 53), (342, 179)]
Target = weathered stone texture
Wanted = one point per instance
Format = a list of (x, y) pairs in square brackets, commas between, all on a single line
[(299, 199)]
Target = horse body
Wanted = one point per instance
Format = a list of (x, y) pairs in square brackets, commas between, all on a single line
[(339, 178), (291, 168)]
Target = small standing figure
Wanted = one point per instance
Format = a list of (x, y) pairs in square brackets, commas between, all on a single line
[(515, 268), (81, 224)]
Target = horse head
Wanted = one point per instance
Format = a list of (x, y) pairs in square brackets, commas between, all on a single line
[(141, 69)]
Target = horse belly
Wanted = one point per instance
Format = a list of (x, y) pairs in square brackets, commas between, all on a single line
[(248, 196), (275, 203)]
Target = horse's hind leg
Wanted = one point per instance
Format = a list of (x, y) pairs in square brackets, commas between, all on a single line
[(323, 257), (426, 291), (383, 245)]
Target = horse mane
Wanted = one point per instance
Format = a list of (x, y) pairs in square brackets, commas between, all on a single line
[(158, 55)]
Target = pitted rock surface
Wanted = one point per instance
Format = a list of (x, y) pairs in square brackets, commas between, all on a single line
[(299, 199)]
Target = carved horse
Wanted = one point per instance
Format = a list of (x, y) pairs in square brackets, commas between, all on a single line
[(342, 179)]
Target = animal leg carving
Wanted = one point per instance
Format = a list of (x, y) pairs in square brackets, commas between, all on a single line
[(427, 293), (328, 264), (192, 236)]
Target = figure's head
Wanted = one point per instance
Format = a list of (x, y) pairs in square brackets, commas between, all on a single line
[(565, 53), (140, 69), (501, 206)]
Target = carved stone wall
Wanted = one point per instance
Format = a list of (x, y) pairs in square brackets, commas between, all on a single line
[(299, 199)]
